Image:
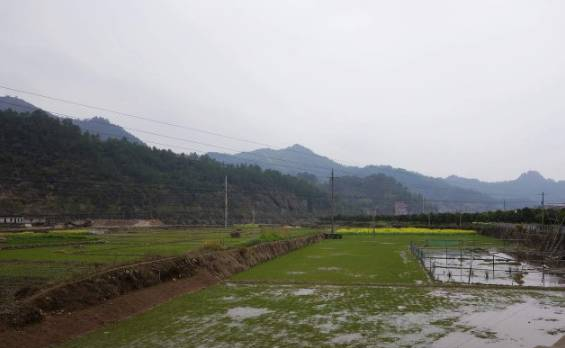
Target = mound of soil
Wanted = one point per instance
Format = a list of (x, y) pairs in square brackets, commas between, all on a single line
[(59, 327), (126, 223)]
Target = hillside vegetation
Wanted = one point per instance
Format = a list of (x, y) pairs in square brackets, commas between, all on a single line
[(438, 192), (95, 125), (49, 167)]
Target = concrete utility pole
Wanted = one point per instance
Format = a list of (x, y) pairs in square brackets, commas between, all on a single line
[(542, 208), (423, 204), (226, 202), (374, 221), (333, 201), (504, 205)]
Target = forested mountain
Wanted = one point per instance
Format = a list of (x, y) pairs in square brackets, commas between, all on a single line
[(439, 193), (291, 160), (526, 188), (368, 195), (373, 194), (49, 167), (96, 125)]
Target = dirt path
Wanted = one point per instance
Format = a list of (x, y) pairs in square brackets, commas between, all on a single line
[(58, 328)]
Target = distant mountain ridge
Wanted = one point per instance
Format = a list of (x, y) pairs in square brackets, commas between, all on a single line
[(297, 159), (96, 125), (453, 193), (105, 129), (526, 188)]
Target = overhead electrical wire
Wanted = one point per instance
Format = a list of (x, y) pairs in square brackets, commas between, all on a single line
[(260, 160), (148, 119), (243, 154)]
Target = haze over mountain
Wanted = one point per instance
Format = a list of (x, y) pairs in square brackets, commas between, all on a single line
[(525, 189), (451, 193), (297, 159), (58, 170), (440, 87), (95, 125)]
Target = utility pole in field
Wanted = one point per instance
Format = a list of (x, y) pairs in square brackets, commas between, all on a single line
[(333, 201), (423, 204), (226, 202), (374, 221), (504, 205), (542, 208)]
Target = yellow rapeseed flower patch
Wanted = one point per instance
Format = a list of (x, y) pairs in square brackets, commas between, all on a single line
[(403, 230)]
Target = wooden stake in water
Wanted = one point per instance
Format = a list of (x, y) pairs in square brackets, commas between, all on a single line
[(471, 267), (445, 256)]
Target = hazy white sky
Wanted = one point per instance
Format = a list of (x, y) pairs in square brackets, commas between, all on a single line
[(474, 88)]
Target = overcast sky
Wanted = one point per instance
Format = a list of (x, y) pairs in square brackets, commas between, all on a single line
[(473, 88)]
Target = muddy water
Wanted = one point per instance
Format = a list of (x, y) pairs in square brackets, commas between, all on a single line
[(487, 267), (526, 324), (241, 313)]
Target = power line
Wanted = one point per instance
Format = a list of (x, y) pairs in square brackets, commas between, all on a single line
[(170, 124), (182, 190), (242, 154), (208, 144)]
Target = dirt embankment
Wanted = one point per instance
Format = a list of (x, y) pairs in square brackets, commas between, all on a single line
[(103, 286), (101, 223)]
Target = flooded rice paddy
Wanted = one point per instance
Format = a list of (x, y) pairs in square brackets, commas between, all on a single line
[(242, 315), (488, 267), (357, 292)]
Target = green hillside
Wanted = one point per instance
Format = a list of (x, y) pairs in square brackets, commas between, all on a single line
[(48, 167)]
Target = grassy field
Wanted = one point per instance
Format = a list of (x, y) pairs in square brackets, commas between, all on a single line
[(339, 293), (404, 230), (35, 259), (356, 259)]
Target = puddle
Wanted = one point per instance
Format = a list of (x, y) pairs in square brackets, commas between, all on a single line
[(242, 313), (230, 298), (327, 327), (329, 268), (461, 296), (303, 292), (346, 339), (527, 324)]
